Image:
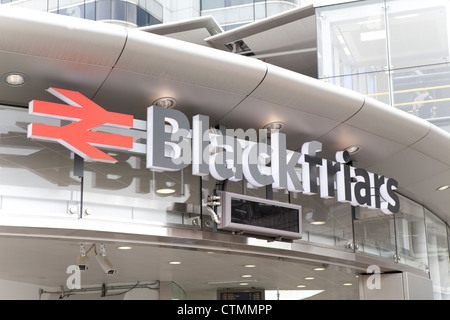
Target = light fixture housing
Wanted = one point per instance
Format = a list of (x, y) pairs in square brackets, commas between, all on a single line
[(353, 149), (165, 102), (318, 223), (124, 248), (15, 79), (443, 188), (274, 126), (166, 191)]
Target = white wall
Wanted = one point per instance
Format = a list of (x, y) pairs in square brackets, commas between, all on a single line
[(11, 290)]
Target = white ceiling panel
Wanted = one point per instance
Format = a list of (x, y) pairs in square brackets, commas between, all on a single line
[(373, 149), (142, 90), (433, 144), (296, 91), (390, 123), (409, 167), (299, 126)]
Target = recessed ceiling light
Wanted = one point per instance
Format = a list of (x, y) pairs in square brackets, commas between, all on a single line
[(319, 269), (15, 79), (347, 284), (166, 191), (243, 284), (124, 248), (301, 286), (250, 266), (246, 276), (353, 149), (309, 278), (274, 126), (318, 223), (165, 102), (443, 188), (175, 262)]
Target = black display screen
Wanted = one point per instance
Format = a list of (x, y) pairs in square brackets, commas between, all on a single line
[(264, 215)]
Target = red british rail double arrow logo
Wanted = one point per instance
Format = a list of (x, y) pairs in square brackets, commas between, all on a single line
[(78, 135)]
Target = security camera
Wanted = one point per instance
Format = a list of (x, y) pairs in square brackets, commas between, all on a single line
[(106, 265), (82, 263)]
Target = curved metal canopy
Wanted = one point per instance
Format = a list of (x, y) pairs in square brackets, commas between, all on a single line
[(125, 70)]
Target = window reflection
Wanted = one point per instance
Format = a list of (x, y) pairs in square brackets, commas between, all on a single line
[(131, 14), (438, 256), (393, 51)]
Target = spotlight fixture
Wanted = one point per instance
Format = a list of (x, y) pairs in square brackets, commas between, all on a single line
[(165, 102), (82, 260), (15, 79), (353, 149), (104, 262), (318, 223), (319, 269), (166, 191), (443, 188), (273, 126)]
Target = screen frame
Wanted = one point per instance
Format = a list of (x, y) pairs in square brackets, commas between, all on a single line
[(227, 224)]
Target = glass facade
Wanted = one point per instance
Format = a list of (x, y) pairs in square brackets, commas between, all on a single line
[(395, 51), (137, 13), (231, 14), (37, 178)]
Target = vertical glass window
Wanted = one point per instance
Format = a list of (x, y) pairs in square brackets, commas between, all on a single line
[(438, 256), (118, 10), (89, 11), (131, 13), (423, 91), (418, 32), (410, 233), (325, 221), (352, 39), (143, 18), (103, 10), (74, 11), (36, 177), (375, 234), (212, 4), (352, 48)]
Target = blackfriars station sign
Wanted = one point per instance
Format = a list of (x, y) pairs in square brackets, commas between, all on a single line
[(234, 155)]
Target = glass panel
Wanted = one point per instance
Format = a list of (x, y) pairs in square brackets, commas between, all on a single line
[(324, 221), (128, 190), (423, 91), (212, 4), (418, 32), (74, 11), (410, 231), (36, 177), (375, 233), (118, 10), (374, 84), (103, 10), (40, 5), (351, 39), (438, 256), (89, 11), (131, 13)]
